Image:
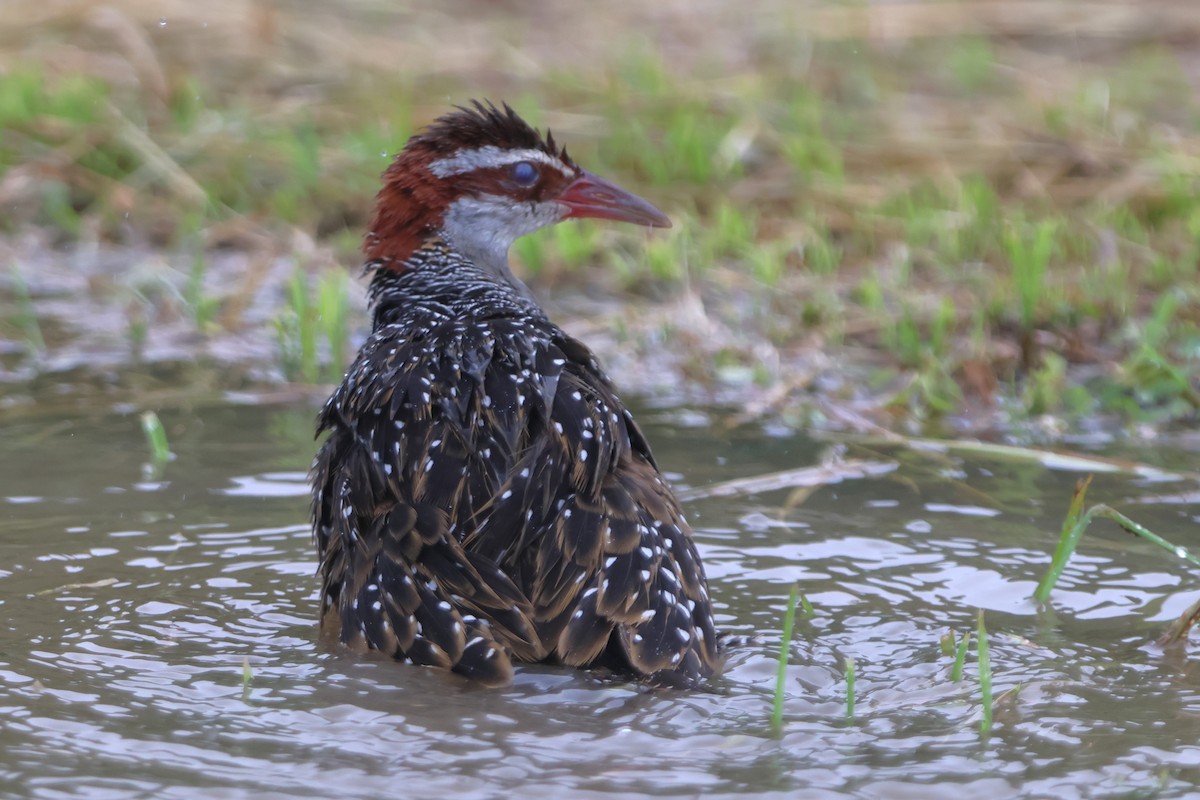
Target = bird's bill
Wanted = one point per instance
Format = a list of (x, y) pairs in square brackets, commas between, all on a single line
[(591, 196)]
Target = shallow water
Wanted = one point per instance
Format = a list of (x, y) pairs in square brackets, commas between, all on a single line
[(132, 605)]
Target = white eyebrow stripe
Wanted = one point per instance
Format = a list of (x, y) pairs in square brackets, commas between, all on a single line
[(492, 156)]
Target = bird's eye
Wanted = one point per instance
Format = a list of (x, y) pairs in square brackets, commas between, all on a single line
[(524, 173)]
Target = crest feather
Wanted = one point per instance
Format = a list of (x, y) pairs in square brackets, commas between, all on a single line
[(482, 124)]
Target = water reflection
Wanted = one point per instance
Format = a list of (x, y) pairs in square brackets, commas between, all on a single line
[(132, 611)]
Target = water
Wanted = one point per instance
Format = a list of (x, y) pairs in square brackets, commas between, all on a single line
[(132, 605)]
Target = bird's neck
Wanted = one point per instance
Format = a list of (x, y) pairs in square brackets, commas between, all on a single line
[(440, 278)]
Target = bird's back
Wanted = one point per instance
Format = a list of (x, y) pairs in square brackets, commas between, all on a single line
[(484, 496)]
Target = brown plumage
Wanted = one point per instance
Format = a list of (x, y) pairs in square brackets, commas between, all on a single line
[(484, 496)]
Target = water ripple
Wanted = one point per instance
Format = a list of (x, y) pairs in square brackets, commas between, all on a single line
[(134, 613)]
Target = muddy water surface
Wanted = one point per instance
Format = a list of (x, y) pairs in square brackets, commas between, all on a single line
[(130, 605)]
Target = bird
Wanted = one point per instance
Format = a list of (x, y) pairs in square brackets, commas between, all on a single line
[(483, 496)]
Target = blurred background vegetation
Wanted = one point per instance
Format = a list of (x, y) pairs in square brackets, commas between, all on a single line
[(964, 216)]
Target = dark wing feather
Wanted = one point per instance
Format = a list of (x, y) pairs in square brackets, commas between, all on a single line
[(589, 531), (391, 484)]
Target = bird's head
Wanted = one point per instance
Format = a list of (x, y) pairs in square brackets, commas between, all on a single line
[(482, 177)]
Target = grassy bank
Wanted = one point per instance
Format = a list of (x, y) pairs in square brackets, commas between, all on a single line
[(978, 211)]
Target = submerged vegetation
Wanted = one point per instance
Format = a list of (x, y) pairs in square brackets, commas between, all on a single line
[(976, 224)]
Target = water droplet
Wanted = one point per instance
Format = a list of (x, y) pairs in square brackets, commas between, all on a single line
[(383, 153), (162, 22), (1181, 552)]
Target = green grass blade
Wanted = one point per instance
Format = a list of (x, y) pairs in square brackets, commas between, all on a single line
[(985, 676), (1137, 529), (156, 438), (247, 676), (334, 310), (789, 622), (850, 680), (203, 308), (1068, 540), (298, 331), (960, 657), (1074, 526)]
